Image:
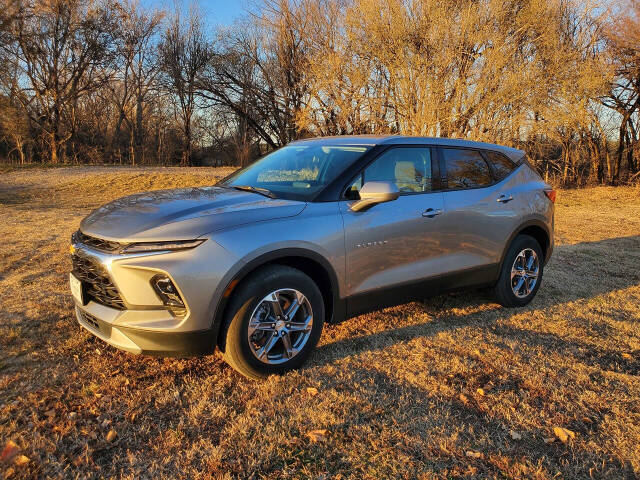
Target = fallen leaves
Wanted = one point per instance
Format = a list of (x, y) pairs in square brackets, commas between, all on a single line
[(112, 435), (563, 434), (9, 451), (317, 435), (21, 460), (11, 454), (515, 435)]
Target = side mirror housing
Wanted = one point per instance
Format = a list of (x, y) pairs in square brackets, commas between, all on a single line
[(373, 193)]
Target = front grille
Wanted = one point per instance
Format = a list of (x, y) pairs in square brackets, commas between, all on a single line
[(99, 286), (96, 243)]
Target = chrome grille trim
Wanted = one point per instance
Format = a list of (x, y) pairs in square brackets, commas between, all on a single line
[(96, 243)]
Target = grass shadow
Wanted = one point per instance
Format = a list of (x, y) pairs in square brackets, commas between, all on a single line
[(576, 272)]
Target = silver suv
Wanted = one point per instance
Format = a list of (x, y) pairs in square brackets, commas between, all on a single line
[(318, 231)]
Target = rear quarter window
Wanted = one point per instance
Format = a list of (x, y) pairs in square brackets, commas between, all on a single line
[(465, 169), (502, 165)]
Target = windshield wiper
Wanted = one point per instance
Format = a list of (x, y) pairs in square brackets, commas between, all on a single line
[(260, 191)]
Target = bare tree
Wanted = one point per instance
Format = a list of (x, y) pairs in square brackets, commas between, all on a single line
[(97, 81), (623, 42), (258, 75), (8, 14), (184, 54), (135, 70), (14, 129), (60, 50)]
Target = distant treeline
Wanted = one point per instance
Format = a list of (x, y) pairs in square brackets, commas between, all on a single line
[(110, 81)]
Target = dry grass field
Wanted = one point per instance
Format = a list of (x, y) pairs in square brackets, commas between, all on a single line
[(452, 387)]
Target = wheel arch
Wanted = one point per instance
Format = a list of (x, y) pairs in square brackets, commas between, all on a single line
[(309, 262), (536, 229)]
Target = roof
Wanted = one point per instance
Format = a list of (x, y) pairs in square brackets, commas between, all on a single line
[(512, 153)]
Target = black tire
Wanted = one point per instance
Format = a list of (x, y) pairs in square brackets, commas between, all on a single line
[(234, 342), (503, 290)]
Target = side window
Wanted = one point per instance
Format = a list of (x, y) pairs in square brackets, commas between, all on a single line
[(465, 168), (502, 166), (409, 168), (353, 191)]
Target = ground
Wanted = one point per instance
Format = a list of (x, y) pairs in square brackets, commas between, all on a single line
[(454, 386)]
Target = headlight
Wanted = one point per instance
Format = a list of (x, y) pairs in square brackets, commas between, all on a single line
[(161, 246)]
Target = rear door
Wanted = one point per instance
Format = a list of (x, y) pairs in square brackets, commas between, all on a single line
[(399, 241), (482, 208)]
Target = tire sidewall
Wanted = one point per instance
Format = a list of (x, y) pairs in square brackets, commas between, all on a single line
[(250, 296)]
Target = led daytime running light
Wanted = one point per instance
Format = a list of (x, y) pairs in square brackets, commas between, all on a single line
[(161, 246)]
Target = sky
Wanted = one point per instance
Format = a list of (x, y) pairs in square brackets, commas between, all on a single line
[(216, 12)]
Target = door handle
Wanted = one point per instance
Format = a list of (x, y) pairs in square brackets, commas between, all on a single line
[(431, 212), (505, 198)]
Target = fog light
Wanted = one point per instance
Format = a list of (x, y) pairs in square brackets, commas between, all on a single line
[(167, 291)]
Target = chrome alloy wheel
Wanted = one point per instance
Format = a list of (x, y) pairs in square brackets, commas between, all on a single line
[(280, 326), (524, 273)]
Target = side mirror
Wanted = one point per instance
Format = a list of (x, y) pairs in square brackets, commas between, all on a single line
[(373, 193)]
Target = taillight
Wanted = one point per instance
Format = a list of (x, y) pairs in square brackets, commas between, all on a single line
[(551, 195)]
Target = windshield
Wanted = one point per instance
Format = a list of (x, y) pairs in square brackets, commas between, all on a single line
[(296, 172)]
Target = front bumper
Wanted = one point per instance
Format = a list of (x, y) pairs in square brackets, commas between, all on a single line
[(141, 323), (170, 344)]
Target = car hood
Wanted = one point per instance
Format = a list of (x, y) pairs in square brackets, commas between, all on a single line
[(183, 214)]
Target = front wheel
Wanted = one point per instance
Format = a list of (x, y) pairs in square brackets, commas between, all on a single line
[(521, 273), (273, 323)]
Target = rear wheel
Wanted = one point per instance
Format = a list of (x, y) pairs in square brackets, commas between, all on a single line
[(521, 273), (273, 323)]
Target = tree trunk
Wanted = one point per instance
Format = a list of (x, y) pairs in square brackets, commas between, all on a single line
[(54, 144), (609, 169), (116, 133), (54, 137), (138, 128), (565, 170), (630, 164), (595, 161), (20, 148), (607, 158), (132, 152), (186, 153), (620, 151)]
